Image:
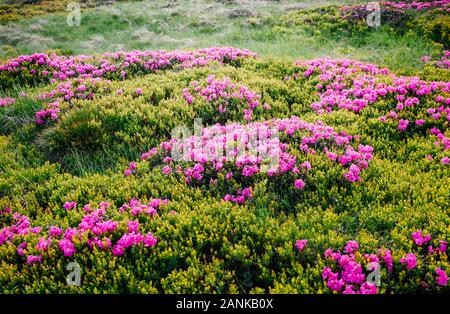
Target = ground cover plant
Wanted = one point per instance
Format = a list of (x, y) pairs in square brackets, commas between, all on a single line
[(104, 161)]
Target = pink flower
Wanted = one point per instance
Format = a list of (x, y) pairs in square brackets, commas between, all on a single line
[(67, 247), (351, 247), (33, 259), (306, 165), (133, 226), (70, 205), (299, 184), (445, 160), (442, 278), (403, 124), (139, 91), (150, 240), (167, 170), (117, 250), (21, 248), (368, 288), (419, 239), (387, 258), (443, 246), (43, 244), (410, 260), (420, 122), (300, 244), (349, 290), (127, 172), (5, 211), (55, 231)]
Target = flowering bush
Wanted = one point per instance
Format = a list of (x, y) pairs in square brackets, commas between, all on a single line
[(94, 231), (38, 68), (410, 103), (225, 97), (256, 205), (239, 153), (350, 278)]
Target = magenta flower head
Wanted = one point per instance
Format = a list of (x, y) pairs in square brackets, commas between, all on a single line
[(167, 170), (117, 250), (150, 240), (67, 247), (420, 239), (133, 165), (410, 260), (127, 172), (133, 226), (351, 247), (299, 184), (301, 244), (55, 231), (442, 278), (445, 160), (70, 205), (33, 259)]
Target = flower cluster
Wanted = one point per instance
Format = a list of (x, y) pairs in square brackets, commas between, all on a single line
[(301, 244), (410, 260), (442, 278), (346, 274), (409, 102), (443, 62), (239, 152), (70, 205), (225, 96), (115, 65), (349, 277), (5, 102), (241, 197), (131, 167), (135, 207), (76, 89), (51, 111), (95, 230)]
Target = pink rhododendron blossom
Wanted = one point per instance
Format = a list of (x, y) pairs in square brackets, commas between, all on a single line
[(299, 184), (420, 239), (67, 247), (410, 260), (301, 244), (351, 247), (33, 259), (442, 278), (70, 205)]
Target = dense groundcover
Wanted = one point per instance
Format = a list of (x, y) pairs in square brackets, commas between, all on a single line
[(362, 183)]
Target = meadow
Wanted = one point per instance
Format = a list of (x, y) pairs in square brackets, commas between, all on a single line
[(357, 200)]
